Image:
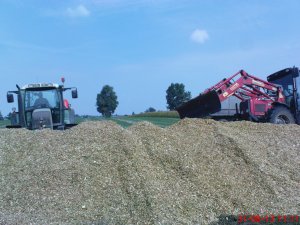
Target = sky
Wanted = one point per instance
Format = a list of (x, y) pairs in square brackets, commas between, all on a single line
[(141, 47)]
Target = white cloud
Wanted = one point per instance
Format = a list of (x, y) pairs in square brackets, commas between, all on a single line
[(79, 11), (199, 36)]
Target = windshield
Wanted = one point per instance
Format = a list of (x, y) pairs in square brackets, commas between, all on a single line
[(41, 99), (286, 82)]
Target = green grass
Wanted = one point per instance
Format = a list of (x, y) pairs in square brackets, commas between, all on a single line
[(3, 123), (159, 118), (168, 114), (162, 119), (90, 118)]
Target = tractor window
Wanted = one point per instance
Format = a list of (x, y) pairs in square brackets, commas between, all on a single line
[(286, 83), (298, 84), (298, 90), (41, 99)]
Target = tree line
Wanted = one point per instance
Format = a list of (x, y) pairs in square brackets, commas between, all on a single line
[(107, 100)]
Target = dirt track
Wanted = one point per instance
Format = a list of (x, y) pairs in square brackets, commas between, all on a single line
[(193, 172)]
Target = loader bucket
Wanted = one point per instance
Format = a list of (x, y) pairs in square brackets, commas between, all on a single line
[(201, 106)]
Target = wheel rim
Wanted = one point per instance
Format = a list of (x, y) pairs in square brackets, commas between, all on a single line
[(282, 119)]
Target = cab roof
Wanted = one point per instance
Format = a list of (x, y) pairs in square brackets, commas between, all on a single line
[(40, 85), (282, 73)]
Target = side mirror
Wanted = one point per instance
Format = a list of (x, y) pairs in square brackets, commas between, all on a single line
[(10, 98), (74, 93)]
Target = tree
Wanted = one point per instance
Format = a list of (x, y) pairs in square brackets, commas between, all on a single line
[(176, 95), (150, 109), (107, 101), (1, 116)]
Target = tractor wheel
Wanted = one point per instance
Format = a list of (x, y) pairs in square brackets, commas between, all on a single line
[(281, 115)]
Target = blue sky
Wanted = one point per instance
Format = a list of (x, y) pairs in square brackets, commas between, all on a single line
[(141, 47)]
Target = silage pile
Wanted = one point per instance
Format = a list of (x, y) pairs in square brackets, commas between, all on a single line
[(190, 173)]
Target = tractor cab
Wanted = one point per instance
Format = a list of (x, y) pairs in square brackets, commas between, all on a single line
[(42, 106), (289, 80)]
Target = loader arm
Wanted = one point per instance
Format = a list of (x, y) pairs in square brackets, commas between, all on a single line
[(241, 85)]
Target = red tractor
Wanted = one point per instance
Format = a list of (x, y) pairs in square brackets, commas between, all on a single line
[(275, 101)]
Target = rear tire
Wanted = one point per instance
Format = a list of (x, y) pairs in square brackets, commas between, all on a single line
[(281, 115)]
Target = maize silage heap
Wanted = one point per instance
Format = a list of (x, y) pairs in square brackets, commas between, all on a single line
[(190, 173)]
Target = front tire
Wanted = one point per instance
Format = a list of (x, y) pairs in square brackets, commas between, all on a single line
[(281, 115)]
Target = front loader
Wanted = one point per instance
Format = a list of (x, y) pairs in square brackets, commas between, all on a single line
[(42, 105), (275, 100)]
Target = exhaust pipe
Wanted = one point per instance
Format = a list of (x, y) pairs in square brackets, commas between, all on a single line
[(201, 106)]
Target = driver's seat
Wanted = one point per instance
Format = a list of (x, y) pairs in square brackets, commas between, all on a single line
[(41, 103)]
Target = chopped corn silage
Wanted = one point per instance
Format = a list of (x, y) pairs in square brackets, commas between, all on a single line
[(189, 173)]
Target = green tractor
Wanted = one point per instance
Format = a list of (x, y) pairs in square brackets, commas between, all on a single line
[(42, 105)]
